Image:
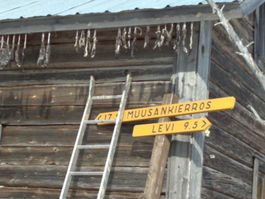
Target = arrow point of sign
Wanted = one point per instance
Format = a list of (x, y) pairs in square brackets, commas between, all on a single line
[(206, 124)]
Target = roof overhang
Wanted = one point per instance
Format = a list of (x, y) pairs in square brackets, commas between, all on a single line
[(125, 18)]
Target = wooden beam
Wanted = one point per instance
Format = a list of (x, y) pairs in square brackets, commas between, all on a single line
[(155, 177), (202, 92), (114, 20), (249, 6), (255, 178), (186, 155), (259, 52), (1, 132), (263, 188)]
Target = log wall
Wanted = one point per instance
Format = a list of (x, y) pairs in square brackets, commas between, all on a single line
[(42, 107), (236, 137)]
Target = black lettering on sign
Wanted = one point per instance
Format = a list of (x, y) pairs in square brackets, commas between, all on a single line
[(143, 113), (187, 107), (156, 111), (160, 128), (202, 105), (130, 114), (163, 110), (153, 129), (180, 108), (168, 126), (186, 124), (170, 109), (136, 114), (195, 125), (109, 116), (176, 109), (194, 107), (208, 105), (149, 112)]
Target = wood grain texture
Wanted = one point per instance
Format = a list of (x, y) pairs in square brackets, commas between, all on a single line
[(75, 94), (158, 161), (44, 193)]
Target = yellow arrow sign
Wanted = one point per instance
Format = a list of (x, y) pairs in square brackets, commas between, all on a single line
[(182, 126), (170, 110)]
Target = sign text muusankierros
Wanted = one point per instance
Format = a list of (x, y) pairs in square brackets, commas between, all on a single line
[(170, 110)]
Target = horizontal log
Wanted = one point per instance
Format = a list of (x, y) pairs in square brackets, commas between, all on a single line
[(239, 144), (53, 176), (210, 194), (65, 135), (233, 87), (226, 47), (139, 73), (215, 180), (246, 133), (240, 113), (225, 164), (97, 63), (238, 73), (44, 193), (76, 94), (137, 154)]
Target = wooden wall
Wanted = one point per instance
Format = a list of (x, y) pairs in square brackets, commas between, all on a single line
[(236, 137), (41, 109)]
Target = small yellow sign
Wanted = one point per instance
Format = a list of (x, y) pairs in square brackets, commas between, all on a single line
[(182, 126), (171, 110)]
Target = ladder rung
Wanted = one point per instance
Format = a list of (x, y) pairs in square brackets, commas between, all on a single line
[(94, 146), (103, 97), (86, 173), (99, 121)]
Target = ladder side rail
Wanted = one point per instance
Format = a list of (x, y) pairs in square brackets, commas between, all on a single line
[(114, 140), (79, 139)]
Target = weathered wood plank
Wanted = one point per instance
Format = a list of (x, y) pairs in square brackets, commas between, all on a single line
[(44, 193), (240, 113), (238, 73), (52, 177), (226, 184), (240, 144), (186, 159), (158, 161), (255, 178), (178, 160), (225, 164), (234, 127), (234, 88), (137, 154), (150, 72), (210, 194), (75, 94), (64, 135)]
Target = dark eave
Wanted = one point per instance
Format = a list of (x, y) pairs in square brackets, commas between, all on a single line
[(124, 19)]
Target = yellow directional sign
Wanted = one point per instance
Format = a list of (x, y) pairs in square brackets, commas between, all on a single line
[(182, 126), (170, 110)]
